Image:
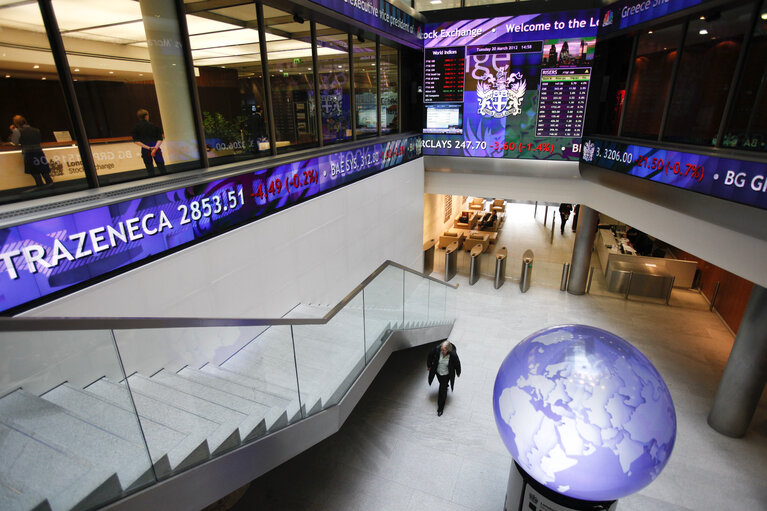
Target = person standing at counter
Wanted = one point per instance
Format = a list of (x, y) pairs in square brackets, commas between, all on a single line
[(35, 162), (149, 137)]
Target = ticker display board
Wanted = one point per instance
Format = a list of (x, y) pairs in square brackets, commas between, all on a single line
[(49, 256), (519, 85)]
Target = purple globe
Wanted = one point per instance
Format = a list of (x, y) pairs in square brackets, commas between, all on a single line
[(584, 413)]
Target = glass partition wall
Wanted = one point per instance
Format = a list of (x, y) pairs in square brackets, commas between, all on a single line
[(135, 89), (697, 80)]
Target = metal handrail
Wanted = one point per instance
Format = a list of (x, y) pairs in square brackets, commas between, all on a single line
[(30, 324)]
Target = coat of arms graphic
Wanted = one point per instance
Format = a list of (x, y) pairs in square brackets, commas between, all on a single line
[(501, 95)]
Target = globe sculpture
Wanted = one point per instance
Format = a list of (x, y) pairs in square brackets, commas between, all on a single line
[(584, 413)]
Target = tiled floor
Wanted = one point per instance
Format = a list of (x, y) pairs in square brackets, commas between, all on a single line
[(394, 453)]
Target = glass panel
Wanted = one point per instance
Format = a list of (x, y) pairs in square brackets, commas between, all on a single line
[(229, 79), (218, 387), (292, 80), (416, 299), (60, 439), (330, 357), (30, 93), (708, 62), (389, 62), (383, 307), (128, 64), (452, 304), (365, 76), (335, 98), (747, 127), (651, 81), (437, 295), (613, 58)]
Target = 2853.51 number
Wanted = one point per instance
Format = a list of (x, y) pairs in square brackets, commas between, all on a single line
[(213, 205)]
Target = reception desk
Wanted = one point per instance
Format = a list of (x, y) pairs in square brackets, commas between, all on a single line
[(650, 276)]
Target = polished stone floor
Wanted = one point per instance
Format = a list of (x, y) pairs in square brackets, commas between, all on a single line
[(394, 453)]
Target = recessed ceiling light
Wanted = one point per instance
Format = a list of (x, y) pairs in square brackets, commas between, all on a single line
[(281, 71), (77, 70), (35, 67), (111, 72), (7, 76), (764, 16), (703, 31), (702, 17), (435, 2), (649, 31), (307, 68), (141, 74), (44, 78), (339, 66)]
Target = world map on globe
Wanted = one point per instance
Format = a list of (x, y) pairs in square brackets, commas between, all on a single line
[(584, 412)]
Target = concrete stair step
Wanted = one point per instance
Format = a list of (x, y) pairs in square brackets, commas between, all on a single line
[(228, 419), (17, 496), (310, 402), (106, 415), (269, 415), (289, 406), (49, 422), (32, 468), (203, 437)]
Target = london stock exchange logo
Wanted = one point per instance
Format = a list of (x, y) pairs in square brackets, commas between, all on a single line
[(588, 151), (501, 95)]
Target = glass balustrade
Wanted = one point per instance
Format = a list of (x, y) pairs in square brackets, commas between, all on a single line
[(89, 416)]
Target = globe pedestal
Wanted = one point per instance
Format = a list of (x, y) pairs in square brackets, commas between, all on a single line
[(525, 494)]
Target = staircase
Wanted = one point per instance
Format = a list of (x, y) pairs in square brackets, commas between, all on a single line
[(66, 445)]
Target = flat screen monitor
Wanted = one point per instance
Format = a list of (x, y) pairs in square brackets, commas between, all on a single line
[(444, 118)]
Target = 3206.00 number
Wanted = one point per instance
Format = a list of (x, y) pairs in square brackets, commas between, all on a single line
[(203, 208)]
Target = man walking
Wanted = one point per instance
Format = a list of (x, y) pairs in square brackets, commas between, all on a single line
[(444, 363)]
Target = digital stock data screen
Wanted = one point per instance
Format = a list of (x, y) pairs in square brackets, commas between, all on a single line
[(518, 85)]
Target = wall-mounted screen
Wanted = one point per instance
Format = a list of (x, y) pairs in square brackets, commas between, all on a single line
[(50, 256), (735, 180), (444, 118), (522, 83)]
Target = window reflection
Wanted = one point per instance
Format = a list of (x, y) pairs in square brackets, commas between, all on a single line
[(389, 70), (335, 100), (711, 49), (365, 78), (747, 127), (292, 80), (613, 59), (127, 59), (650, 81), (225, 50), (37, 156)]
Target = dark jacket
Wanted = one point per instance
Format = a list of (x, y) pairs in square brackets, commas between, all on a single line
[(453, 365)]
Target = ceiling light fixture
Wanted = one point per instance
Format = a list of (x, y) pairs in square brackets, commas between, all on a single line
[(764, 16), (435, 2), (35, 67), (703, 31), (111, 72), (649, 31), (77, 70)]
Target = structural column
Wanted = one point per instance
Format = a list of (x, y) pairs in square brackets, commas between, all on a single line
[(584, 245), (746, 372), (170, 80)]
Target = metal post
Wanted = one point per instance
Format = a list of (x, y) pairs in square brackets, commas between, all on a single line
[(350, 44), (268, 103), (670, 288), (546, 215), (59, 54), (316, 84), (535, 211), (553, 221), (588, 283), (713, 298), (628, 287), (565, 274)]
